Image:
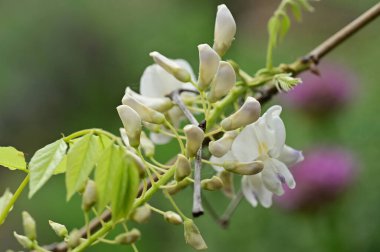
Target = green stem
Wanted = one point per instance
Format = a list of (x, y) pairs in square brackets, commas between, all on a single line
[(96, 131), (14, 198)]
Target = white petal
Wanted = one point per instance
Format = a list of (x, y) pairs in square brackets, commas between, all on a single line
[(290, 156), (158, 138), (225, 29), (156, 82), (274, 122), (245, 147), (283, 172), (160, 104), (124, 137), (261, 192), (248, 193), (208, 65), (228, 157), (271, 179)]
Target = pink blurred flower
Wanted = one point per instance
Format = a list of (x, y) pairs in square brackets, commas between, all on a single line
[(322, 177), (321, 95)]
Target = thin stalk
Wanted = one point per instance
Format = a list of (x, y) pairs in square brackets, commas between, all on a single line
[(14, 198)]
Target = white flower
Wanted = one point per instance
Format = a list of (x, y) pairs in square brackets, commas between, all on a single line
[(264, 141), (225, 29), (171, 66), (156, 82), (208, 65)]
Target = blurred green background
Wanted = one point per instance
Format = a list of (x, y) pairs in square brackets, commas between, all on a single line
[(64, 66)]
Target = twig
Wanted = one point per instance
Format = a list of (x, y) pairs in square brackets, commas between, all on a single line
[(312, 58), (197, 198), (176, 98)]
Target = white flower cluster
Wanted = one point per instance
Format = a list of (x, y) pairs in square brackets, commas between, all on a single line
[(251, 146), (259, 153)]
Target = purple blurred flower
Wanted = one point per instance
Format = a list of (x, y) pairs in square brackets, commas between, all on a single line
[(329, 92), (322, 177)]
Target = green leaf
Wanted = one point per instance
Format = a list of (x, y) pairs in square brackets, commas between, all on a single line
[(296, 9), (12, 158), (4, 200), (43, 164), (105, 175), (81, 159), (125, 187), (61, 167), (285, 25)]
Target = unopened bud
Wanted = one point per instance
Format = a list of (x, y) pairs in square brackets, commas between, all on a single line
[(247, 114), (173, 218), (29, 226), (212, 184), (24, 241), (228, 183), (194, 139), (246, 168), (222, 83), (225, 29), (129, 237), (74, 238), (141, 214), (175, 187), (208, 65), (220, 147), (147, 114), (159, 104), (59, 229), (192, 235), (171, 67), (132, 124), (147, 145), (90, 196), (183, 167)]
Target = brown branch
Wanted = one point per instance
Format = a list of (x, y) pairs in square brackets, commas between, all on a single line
[(265, 95)]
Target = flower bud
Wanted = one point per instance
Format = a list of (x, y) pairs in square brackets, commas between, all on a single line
[(220, 147), (90, 196), (29, 226), (183, 167), (192, 235), (228, 183), (246, 168), (194, 139), (212, 184), (59, 229), (223, 81), (132, 124), (173, 218), (159, 104), (247, 114), (147, 145), (225, 29), (208, 65), (129, 237), (171, 67), (175, 187), (141, 214), (147, 114), (74, 238), (24, 241)]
